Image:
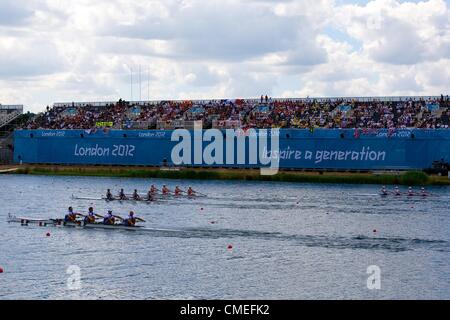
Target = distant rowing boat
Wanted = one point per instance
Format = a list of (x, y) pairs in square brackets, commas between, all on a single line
[(8, 170), (394, 195), (157, 197)]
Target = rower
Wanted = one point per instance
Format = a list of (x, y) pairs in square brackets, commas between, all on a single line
[(71, 216), (384, 191), (191, 192), (91, 216), (131, 220), (397, 191), (150, 196), (122, 195), (153, 189), (410, 191), (178, 191), (165, 190), (109, 218), (109, 195), (423, 192), (136, 195)]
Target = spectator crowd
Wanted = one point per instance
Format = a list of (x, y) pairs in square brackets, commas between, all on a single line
[(266, 112)]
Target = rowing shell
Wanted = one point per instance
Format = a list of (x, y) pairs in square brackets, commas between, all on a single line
[(61, 223), (8, 170), (25, 221), (394, 195), (110, 200), (157, 198)]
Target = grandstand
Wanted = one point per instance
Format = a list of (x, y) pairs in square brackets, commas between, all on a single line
[(399, 133), (359, 112), (8, 115)]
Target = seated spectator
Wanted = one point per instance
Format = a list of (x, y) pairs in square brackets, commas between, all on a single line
[(262, 113)]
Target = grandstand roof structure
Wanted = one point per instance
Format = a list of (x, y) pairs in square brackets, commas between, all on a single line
[(11, 107)]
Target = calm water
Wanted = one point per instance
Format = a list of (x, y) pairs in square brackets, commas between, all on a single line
[(290, 241)]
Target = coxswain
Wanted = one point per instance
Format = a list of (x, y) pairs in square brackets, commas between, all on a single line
[(191, 192), (136, 195), (122, 195), (384, 191), (165, 190), (410, 191), (71, 216), (109, 195), (109, 218), (91, 216), (131, 220), (397, 191), (178, 191)]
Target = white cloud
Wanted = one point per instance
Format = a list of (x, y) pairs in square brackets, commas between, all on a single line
[(399, 33), (52, 50), (14, 13), (26, 57)]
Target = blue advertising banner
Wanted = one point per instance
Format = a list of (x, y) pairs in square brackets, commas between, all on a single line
[(298, 148)]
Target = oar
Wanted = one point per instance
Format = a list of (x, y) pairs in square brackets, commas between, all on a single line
[(195, 193), (131, 197), (140, 219)]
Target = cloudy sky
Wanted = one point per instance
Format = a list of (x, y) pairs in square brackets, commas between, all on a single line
[(61, 50)]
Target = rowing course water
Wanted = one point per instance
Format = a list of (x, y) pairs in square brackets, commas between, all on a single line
[(289, 241)]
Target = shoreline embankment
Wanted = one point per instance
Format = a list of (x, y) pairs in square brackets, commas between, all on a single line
[(389, 178)]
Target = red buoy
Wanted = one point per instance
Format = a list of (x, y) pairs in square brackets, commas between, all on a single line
[(48, 234), (201, 209), (374, 230), (1, 270), (230, 247)]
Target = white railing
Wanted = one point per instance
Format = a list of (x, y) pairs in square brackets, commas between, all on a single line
[(9, 117)]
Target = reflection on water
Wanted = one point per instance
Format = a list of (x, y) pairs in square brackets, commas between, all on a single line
[(288, 241)]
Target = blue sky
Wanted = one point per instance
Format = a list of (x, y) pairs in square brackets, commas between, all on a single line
[(52, 51)]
